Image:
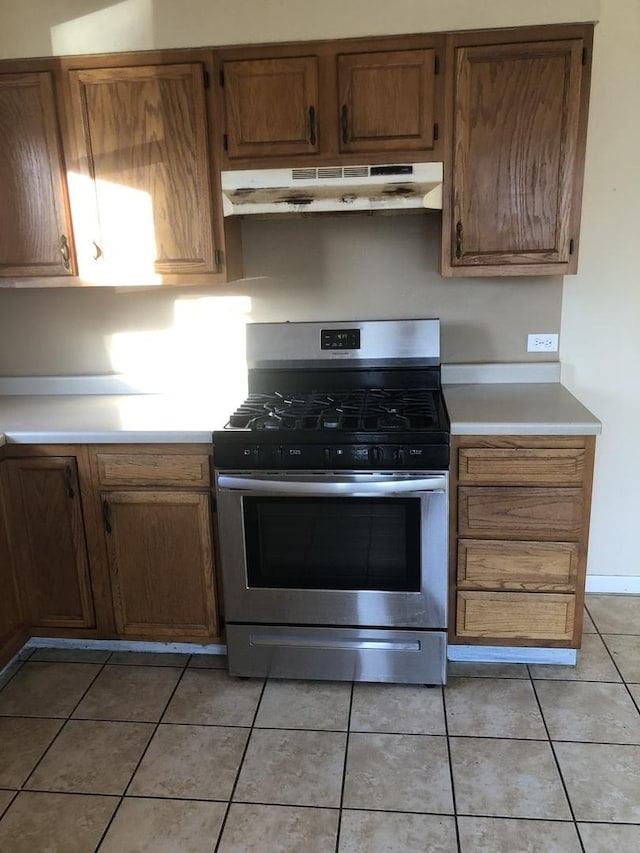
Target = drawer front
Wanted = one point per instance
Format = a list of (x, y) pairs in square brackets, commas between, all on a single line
[(146, 469), (521, 466), (536, 566), (520, 513), (515, 615)]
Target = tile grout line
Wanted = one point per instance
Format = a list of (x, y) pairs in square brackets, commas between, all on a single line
[(239, 771), (613, 660), (559, 769), (344, 768), (139, 762), (453, 789)]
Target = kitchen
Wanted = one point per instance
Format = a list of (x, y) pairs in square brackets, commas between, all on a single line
[(298, 273)]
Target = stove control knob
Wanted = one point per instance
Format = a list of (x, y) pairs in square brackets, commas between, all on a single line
[(401, 456), (326, 454), (375, 455)]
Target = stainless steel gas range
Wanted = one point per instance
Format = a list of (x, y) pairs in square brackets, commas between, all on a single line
[(331, 483)]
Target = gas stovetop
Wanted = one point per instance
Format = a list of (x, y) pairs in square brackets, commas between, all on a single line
[(364, 397)]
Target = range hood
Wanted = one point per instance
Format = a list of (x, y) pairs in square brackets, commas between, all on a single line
[(405, 186)]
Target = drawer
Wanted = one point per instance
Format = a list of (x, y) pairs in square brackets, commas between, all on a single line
[(520, 513), (157, 469), (515, 615), (502, 565), (521, 466)]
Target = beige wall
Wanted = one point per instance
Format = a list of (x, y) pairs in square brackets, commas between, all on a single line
[(375, 267)]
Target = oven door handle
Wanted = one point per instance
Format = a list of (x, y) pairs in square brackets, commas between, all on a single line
[(344, 488)]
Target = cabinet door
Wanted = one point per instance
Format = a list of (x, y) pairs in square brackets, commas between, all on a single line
[(142, 198), (47, 533), (161, 560), (271, 107), (387, 101), (516, 185), (11, 621), (35, 234)]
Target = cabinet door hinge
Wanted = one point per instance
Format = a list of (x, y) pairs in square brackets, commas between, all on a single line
[(572, 246), (584, 55), (225, 142), (221, 77), (217, 257), (205, 74), (436, 65), (436, 131)]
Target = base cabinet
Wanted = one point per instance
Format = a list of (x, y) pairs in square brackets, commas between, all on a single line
[(519, 531), (12, 626)]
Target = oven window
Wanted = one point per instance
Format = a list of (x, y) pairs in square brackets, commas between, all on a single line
[(329, 543)]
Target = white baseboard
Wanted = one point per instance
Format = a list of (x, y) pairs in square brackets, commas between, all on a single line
[(126, 646), (614, 584), (511, 654)]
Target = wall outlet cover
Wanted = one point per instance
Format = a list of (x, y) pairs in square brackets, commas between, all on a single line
[(542, 342)]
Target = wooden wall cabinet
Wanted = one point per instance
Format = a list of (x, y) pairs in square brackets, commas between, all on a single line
[(340, 102), (158, 533), (520, 510), (513, 180), (12, 624), (35, 227)]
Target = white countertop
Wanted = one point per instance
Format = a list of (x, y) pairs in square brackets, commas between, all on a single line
[(509, 408)]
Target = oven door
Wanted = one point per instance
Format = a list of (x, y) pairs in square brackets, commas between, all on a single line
[(347, 549)]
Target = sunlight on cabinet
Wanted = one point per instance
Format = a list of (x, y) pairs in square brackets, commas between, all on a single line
[(205, 347)]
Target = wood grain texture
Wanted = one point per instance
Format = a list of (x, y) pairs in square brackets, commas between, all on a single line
[(515, 616), (141, 134), (520, 466), (12, 625), (34, 216), (161, 558), (48, 543), (497, 564), (520, 513), (153, 469), (267, 106), (388, 100), (517, 152)]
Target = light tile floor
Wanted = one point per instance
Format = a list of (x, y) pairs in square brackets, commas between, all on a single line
[(125, 753)]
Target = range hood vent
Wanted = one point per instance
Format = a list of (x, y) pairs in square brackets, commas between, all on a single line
[(404, 186)]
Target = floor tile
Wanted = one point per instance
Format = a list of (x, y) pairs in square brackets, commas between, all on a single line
[(46, 689), (507, 778), (164, 826), (208, 662), (71, 655), (487, 670), (594, 664), (297, 768), (589, 711), (55, 823), (395, 832), (399, 772), (603, 780), (149, 659), (286, 829), (9, 671), (608, 837), (211, 696), (5, 799), (397, 708), (626, 653), (634, 689), (500, 835), (22, 744), (199, 762), (615, 614), (587, 624), (305, 705), (91, 757), (493, 707), (134, 693)]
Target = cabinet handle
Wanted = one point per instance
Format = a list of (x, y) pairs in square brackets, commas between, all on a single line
[(312, 125), (68, 478), (459, 240), (97, 251), (344, 119), (106, 515), (64, 250)]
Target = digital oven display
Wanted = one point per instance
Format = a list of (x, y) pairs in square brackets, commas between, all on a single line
[(340, 339)]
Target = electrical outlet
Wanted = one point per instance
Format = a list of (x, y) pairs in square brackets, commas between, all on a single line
[(542, 342)]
